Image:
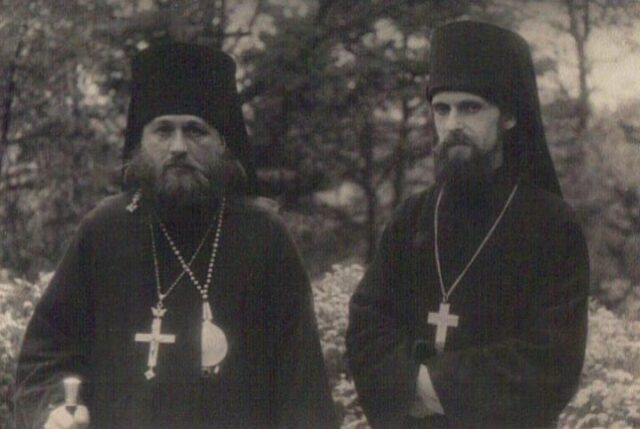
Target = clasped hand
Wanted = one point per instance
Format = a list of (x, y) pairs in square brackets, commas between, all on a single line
[(61, 418)]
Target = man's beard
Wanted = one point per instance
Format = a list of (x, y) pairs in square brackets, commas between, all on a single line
[(458, 173), (178, 185)]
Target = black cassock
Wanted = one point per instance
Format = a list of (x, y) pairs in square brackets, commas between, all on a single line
[(515, 358), (101, 296)]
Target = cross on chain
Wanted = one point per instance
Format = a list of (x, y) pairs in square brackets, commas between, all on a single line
[(155, 338), (443, 320)]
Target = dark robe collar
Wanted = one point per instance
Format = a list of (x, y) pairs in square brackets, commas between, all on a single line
[(477, 197)]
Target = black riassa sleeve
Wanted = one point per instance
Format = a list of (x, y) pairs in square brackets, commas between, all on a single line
[(526, 380), (302, 389), (379, 346), (56, 342)]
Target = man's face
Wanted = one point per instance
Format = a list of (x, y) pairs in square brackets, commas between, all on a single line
[(469, 130), (185, 153)]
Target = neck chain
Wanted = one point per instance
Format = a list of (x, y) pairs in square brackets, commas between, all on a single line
[(202, 288), (213, 340), (162, 296), (446, 294)]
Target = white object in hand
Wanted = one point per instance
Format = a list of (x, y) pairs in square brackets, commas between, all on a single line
[(71, 390), (70, 415), (427, 401)]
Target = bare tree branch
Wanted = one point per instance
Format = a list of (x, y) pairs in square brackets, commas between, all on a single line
[(249, 30), (10, 85), (580, 30)]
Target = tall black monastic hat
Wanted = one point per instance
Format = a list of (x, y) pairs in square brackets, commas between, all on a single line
[(188, 79), (496, 64)]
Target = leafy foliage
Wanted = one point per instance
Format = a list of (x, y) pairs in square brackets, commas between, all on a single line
[(323, 84), (608, 396), (601, 180), (334, 103), (18, 298), (331, 296)]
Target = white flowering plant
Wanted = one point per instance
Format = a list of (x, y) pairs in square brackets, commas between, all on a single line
[(17, 300), (331, 295), (608, 396), (609, 393)]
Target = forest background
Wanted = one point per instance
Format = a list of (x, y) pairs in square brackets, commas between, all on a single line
[(334, 97)]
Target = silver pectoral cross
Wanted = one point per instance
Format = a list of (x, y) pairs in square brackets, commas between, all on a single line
[(155, 338), (443, 320)]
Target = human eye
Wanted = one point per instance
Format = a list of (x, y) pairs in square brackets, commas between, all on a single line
[(470, 107), (195, 130), (441, 109), (163, 130)]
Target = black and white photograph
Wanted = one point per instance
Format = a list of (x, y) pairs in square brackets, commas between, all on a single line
[(319, 214)]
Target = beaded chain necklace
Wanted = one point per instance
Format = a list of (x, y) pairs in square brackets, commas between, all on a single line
[(162, 296), (214, 345)]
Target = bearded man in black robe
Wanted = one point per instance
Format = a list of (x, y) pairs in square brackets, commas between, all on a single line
[(473, 313), (182, 302)]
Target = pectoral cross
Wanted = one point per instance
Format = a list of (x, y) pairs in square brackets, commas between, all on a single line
[(155, 338), (442, 319)]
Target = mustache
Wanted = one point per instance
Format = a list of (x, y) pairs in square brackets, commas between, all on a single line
[(457, 138), (179, 163), (226, 172)]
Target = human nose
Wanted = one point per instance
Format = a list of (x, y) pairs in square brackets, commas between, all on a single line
[(178, 144), (454, 121)]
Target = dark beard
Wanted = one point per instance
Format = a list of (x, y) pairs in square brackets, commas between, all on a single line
[(179, 188), (463, 175), (181, 185)]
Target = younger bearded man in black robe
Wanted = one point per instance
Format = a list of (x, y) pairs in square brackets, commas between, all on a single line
[(474, 311), (181, 303)]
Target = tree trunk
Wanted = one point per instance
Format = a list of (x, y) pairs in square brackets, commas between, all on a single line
[(221, 23), (366, 151), (400, 168), (10, 90), (580, 30), (402, 147)]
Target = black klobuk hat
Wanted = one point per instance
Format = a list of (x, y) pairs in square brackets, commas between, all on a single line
[(190, 79), (496, 64)]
